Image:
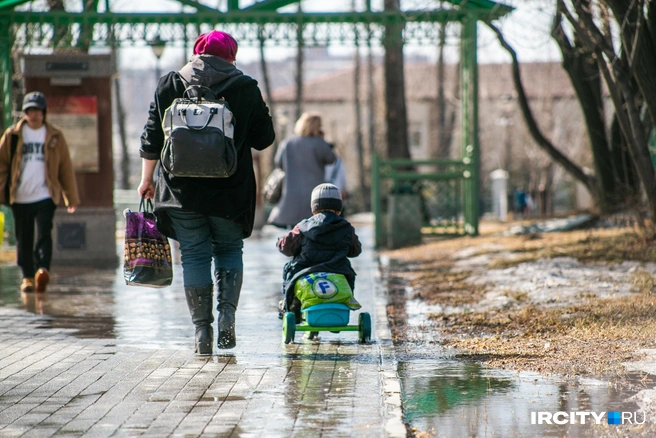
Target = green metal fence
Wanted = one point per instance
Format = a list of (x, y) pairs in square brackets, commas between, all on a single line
[(411, 199)]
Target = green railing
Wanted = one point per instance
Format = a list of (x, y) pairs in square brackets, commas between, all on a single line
[(412, 198)]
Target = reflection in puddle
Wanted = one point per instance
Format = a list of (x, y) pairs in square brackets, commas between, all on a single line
[(96, 303), (452, 399), (447, 389)]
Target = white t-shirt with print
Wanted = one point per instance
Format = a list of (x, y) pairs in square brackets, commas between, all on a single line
[(32, 182)]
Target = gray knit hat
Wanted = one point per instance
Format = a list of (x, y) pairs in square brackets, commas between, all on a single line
[(326, 197)]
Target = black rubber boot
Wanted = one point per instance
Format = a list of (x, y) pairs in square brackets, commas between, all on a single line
[(199, 301), (229, 286)]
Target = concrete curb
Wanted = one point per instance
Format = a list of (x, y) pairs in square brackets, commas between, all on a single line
[(389, 379)]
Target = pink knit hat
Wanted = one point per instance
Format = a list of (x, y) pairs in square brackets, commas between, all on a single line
[(216, 43)]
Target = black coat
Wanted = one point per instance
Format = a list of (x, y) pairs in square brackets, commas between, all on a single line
[(231, 198), (321, 243)]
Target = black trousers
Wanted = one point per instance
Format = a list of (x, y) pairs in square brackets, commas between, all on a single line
[(31, 257)]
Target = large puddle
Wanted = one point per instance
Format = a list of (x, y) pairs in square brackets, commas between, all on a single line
[(96, 303), (445, 397)]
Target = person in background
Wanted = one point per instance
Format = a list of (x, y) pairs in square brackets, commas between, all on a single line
[(303, 157), (336, 175), (40, 173), (520, 202), (209, 217)]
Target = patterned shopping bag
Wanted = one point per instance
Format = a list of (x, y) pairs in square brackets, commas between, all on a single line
[(147, 254)]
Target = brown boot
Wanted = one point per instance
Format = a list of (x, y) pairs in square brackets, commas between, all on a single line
[(27, 285), (42, 278)]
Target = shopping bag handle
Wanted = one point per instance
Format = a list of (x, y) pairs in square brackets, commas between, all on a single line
[(146, 205)]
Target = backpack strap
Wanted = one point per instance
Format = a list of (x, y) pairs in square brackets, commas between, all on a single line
[(194, 91)]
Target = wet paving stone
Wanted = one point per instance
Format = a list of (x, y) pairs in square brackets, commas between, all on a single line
[(97, 358)]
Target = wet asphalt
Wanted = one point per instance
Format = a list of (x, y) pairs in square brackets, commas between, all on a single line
[(94, 357)]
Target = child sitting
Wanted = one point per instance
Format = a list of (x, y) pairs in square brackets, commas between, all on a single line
[(321, 243)]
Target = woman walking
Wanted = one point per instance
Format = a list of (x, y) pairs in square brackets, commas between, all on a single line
[(209, 217), (303, 157)]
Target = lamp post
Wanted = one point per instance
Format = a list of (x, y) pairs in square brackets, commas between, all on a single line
[(158, 46)]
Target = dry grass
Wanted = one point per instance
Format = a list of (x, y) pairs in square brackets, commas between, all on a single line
[(593, 336), (609, 245), (427, 272)]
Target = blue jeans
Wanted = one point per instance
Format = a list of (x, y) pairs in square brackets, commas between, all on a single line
[(203, 239)]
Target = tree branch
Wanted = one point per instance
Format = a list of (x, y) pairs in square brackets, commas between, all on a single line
[(569, 166)]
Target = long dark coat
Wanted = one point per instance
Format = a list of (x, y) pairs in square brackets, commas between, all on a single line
[(231, 198)]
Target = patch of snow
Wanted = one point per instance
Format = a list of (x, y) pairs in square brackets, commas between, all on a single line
[(557, 282)]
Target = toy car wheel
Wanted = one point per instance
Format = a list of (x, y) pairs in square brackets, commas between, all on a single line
[(288, 327), (364, 327)]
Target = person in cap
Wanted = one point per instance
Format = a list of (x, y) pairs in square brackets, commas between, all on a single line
[(209, 217), (36, 172), (322, 243)]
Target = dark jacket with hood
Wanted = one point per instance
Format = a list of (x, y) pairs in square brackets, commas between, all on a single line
[(321, 243), (231, 198)]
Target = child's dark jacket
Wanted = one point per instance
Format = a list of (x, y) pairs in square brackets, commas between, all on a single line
[(321, 243)]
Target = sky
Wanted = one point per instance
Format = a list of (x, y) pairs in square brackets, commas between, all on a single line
[(526, 28)]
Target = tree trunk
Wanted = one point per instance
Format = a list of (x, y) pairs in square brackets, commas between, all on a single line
[(61, 34), (443, 135), (120, 112), (638, 47), (86, 30), (371, 113), (584, 75), (124, 182), (623, 165), (267, 88), (358, 119), (395, 109), (451, 120), (299, 67), (620, 74)]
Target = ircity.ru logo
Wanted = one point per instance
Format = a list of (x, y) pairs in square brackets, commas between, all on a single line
[(580, 417)]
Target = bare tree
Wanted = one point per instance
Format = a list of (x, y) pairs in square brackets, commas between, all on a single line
[(395, 108), (299, 65), (371, 110), (61, 35), (586, 80), (445, 117), (629, 72), (357, 108), (573, 169), (86, 30), (267, 88)]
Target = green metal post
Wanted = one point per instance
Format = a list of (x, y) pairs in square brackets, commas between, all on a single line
[(376, 201), (5, 72), (470, 144), (7, 113)]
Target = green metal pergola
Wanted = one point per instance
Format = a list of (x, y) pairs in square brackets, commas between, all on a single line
[(261, 21)]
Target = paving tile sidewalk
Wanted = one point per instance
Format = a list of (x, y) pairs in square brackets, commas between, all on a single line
[(104, 359)]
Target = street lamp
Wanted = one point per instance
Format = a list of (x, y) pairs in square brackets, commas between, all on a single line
[(158, 45)]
